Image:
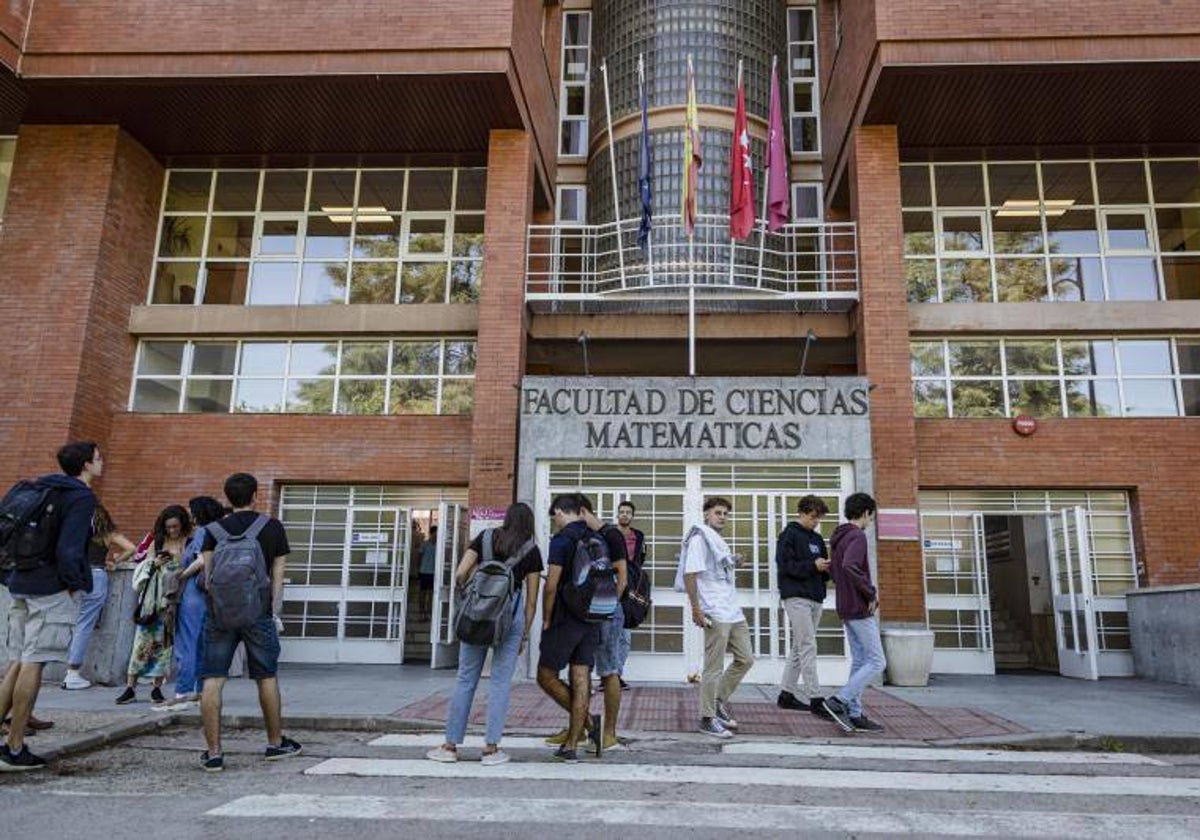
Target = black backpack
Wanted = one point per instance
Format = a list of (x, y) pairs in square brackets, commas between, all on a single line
[(30, 516), (636, 602), (589, 582)]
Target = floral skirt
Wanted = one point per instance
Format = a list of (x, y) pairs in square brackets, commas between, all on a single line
[(152, 650)]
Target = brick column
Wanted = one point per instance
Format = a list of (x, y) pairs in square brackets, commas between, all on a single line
[(494, 430), (75, 254), (883, 356)]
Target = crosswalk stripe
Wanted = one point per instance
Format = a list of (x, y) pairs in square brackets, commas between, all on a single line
[(932, 754), (766, 776), (795, 819)]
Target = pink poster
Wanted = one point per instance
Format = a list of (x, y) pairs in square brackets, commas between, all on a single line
[(897, 524)]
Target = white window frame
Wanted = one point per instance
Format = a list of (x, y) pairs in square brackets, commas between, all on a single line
[(985, 250), (581, 189), (812, 78), (806, 185), (1147, 215), (563, 85)]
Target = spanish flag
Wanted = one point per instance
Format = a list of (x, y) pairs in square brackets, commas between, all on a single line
[(691, 155)]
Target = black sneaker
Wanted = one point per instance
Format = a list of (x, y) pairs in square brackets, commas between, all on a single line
[(624, 685), (127, 696), (565, 755), (11, 762), (595, 735), (817, 706), (286, 748), (787, 700), (211, 763), (838, 713), (862, 723), (156, 695)]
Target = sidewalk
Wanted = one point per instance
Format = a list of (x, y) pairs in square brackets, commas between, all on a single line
[(1019, 708)]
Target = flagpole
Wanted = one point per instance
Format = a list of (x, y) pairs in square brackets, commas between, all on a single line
[(612, 163), (691, 243), (645, 140), (762, 239), (732, 241)]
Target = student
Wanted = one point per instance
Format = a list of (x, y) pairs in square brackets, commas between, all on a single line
[(802, 566), (635, 556), (514, 537), (609, 657), (260, 636), (426, 572), (706, 569), (858, 606), (566, 639), (43, 610)]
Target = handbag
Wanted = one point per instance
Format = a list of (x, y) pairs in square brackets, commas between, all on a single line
[(141, 617)]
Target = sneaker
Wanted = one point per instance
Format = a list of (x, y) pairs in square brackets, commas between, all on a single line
[(725, 717), (787, 700), (566, 755), (287, 747), (714, 727), (611, 741), (74, 682), (838, 712), (440, 753), (127, 696), (211, 763), (558, 738), (624, 685), (594, 735), (493, 758), (11, 762), (817, 706), (156, 695), (862, 723)]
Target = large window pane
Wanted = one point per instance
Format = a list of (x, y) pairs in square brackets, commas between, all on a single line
[(1076, 278), (263, 358), (373, 283), (1020, 280), (423, 282), (460, 358), (914, 186), (1132, 278), (279, 238), (361, 396), (928, 359), (157, 395), (466, 278), (284, 191), (966, 280), (1093, 398), (1067, 182), (1122, 183), (963, 234), (230, 236), (364, 358), (381, 191), (1188, 351), (458, 396), (959, 185), (1013, 187), (208, 396), (1150, 398), (1088, 358), (1181, 278), (413, 396), (416, 358), (468, 235), (273, 284), (161, 358), (429, 189), (313, 358), (977, 398), (1038, 397), (472, 189), (310, 396), (237, 192), (214, 358), (1016, 233), (1031, 358), (426, 236), (323, 283), (918, 233), (1145, 357), (974, 358), (332, 192), (1126, 232), (1175, 181), (1191, 397), (921, 279), (259, 396), (181, 236), (377, 239), (226, 282), (327, 237), (1178, 228), (188, 191), (929, 399), (1073, 232), (176, 282)]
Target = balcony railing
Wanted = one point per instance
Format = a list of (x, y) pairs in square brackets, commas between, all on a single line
[(601, 268)]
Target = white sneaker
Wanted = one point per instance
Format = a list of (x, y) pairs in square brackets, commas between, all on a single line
[(442, 754), (497, 757), (75, 682), (714, 728)]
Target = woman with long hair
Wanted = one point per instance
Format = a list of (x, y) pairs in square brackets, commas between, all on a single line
[(513, 538), (104, 540), (193, 607), (160, 558)]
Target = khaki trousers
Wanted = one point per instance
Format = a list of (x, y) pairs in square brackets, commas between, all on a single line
[(718, 682), (805, 616)]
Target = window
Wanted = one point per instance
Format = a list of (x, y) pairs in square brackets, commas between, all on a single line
[(1052, 230), (802, 80), (573, 89), (572, 204), (360, 376), (806, 203), (8, 146), (321, 236), (1048, 377)]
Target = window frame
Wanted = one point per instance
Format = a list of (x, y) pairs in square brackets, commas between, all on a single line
[(813, 79), (564, 85)]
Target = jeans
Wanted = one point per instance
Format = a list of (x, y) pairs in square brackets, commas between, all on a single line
[(189, 638), (262, 649), (623, 653), (470, 667), (866, 661), (805, 617), (609, 659), (90, 605)]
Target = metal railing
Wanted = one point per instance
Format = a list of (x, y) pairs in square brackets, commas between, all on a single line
[(573, 268)]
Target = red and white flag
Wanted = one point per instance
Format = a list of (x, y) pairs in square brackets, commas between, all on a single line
[(741, 173)]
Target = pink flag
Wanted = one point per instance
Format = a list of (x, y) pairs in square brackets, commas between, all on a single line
[(778, 204)]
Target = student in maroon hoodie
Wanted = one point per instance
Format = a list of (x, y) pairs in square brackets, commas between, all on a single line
[(857, 604)]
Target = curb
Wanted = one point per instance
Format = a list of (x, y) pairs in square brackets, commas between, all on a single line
[(323, 723), (109, 735), (1172, 744)]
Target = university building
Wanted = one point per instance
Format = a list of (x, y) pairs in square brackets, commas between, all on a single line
[(391, 259)]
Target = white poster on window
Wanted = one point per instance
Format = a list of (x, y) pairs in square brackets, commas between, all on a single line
[(376, 558)]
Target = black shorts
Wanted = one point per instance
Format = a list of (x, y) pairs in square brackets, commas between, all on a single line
[(568, 641), (426, 582)]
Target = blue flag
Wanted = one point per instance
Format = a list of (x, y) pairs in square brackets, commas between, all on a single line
[(644, 188)]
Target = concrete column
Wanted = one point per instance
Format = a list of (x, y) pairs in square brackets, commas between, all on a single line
[(502, 319), (77, 250), (883, 356)]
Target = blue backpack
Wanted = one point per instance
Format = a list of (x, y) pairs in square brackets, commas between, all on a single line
[(589, 588)]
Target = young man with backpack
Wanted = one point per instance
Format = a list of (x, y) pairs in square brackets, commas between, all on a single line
[(802, 566), (706, 572), (581, 594), (858, 606), (244, 558), (44, 529), (612, 632), (635, 602)]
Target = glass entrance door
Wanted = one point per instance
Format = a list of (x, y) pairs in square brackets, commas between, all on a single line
[(451, 544), (1072, 584)]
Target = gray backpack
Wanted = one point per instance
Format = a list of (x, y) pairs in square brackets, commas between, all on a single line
[(486, 611), (239, 589)]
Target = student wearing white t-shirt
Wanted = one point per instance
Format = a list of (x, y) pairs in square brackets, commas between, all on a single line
[(707, 577)]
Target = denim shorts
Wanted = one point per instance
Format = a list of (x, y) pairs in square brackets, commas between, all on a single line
[(262, 649), (608, 653)]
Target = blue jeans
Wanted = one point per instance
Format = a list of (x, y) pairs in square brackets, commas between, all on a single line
[(623, 650), (262, 649), (866, 661), (609, 658), (90, 605), (470, 667), (189, 639)]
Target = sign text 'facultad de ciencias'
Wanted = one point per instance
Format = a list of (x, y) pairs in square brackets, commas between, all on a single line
[(683, 415)]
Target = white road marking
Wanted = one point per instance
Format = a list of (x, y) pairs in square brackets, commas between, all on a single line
[(933, 754), (767, 776), (797, 820), (473, 742)]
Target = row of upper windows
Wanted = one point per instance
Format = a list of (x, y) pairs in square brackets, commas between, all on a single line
[(1057, 377)]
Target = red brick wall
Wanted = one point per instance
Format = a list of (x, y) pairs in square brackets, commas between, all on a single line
[(13, 14), (883, 355), (1158, 461), (501, 319), (76, 251), (946, 19), (154, 460)]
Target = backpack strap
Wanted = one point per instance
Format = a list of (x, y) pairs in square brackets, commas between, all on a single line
[(256, 527), (218, 533), (488, 553), (517, 557)]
